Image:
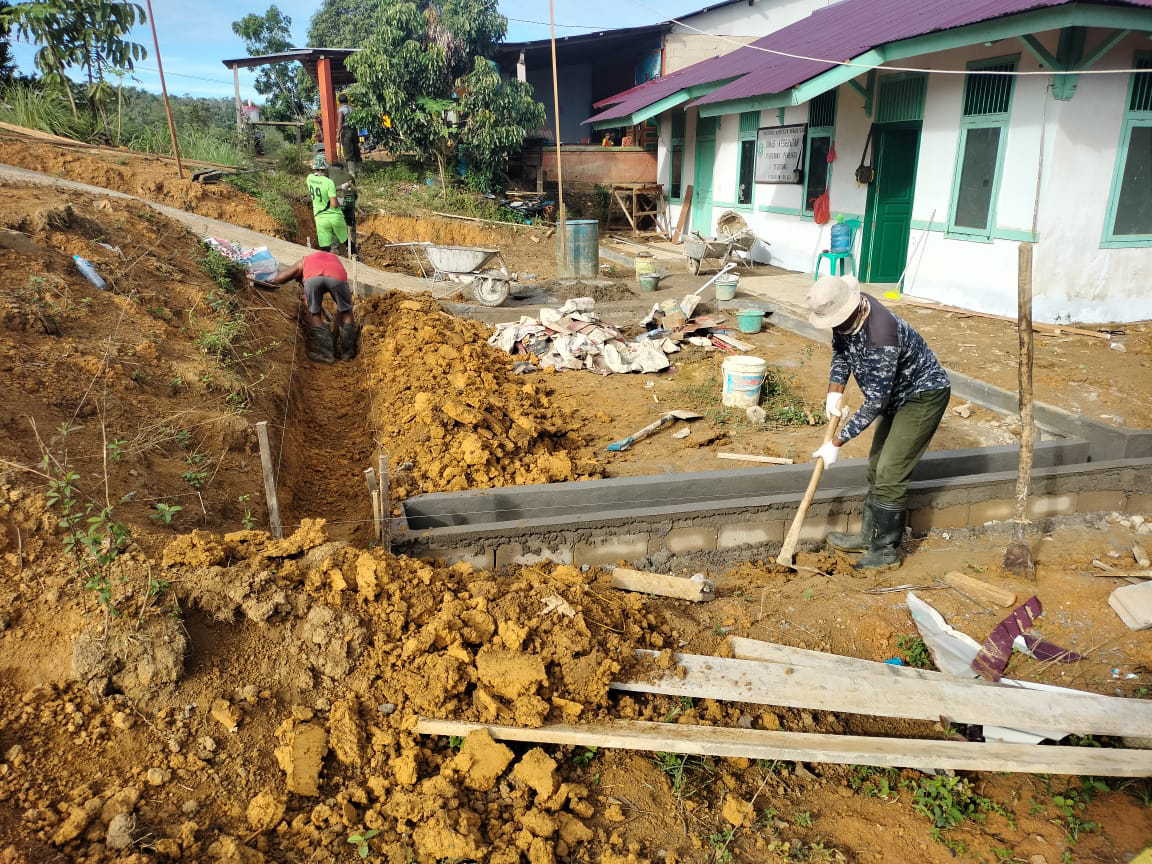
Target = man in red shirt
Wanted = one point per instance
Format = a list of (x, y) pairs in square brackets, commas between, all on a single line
[(323, 273)]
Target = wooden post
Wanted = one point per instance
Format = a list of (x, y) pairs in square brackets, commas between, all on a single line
[(374, 494), (327, 106), (385, 533), (1018, 556), (164, 93), (239, 109), (269, 480)]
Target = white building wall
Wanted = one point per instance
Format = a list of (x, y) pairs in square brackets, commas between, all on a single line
[(735, 24), (1073, 278)]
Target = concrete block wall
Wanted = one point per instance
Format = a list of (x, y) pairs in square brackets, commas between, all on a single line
[(939, 504)]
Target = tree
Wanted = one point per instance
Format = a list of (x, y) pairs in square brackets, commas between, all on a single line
[(344, 23), (7, 62), (84, 34), (425, 68), (271, 33)]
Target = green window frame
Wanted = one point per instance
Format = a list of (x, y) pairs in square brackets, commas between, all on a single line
[(1132, 175), (676, 157), (979, 165), (821, 134), (746, 160)]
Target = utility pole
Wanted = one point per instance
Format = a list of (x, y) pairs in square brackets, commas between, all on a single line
[(164, 91), (561, 217)]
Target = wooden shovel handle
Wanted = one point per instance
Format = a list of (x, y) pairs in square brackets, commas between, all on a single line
[(784, 559)]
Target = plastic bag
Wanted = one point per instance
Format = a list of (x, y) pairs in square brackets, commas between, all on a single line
[(821, 209)]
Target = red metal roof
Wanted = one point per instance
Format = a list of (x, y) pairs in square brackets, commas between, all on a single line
[(841, 31)]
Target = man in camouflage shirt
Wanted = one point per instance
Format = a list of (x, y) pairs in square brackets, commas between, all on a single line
[(906, 391)]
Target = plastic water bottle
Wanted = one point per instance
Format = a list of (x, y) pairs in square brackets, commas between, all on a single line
[(85, 267), (841, 237)]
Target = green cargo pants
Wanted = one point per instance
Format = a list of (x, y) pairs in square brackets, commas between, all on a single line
[(898, 442)]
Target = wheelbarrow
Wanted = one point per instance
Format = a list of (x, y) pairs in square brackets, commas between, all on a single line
[(734, 243), (471, 265)]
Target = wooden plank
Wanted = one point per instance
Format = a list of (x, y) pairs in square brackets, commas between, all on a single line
[(1055, 712), (662, 584), (981, 591), (1055, 329), (685, 209), (748, 457), (816, 747), (384, 535), (771, 652), (275, 528)]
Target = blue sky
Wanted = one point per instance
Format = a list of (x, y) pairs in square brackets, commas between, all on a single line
[(196, 36)]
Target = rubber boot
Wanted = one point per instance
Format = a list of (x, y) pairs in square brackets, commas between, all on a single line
[(321, 348), (349, 336), (887, 532), (861, 542)]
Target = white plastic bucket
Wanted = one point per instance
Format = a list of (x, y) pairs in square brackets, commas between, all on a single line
[(726, 286), (743, 378)]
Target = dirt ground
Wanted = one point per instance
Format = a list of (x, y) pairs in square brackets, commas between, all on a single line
[(200, 691)]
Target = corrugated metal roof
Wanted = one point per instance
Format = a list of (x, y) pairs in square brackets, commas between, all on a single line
[(841, 31)]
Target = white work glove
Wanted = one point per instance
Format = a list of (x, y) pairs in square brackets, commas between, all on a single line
[(832, 406), (829, 452)]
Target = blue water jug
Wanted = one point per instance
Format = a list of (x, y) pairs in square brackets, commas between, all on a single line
[(841, 237), (85, 267)]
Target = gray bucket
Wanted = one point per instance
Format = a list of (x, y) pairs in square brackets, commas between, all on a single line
[(582, 257)]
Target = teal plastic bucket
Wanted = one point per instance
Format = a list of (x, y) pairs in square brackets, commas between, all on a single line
[(750, 320), (582, 256)]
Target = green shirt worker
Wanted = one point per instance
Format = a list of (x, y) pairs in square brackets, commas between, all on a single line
[(331, 229)]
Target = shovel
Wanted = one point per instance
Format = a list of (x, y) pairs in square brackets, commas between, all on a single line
[(625, 443), (788, 549)]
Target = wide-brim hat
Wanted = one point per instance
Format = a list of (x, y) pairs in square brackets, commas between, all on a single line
[(832, 300)]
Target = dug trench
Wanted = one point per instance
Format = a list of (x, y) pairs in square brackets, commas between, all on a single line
[(327, 442)]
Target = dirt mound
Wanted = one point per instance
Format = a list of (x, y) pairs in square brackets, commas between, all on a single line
[(139, 174), (450, 413), (600, 291), (364, 642), (137, 390)]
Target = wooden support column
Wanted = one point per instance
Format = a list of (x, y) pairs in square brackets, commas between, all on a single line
[(239, 107), (327, 107), (270, 496)]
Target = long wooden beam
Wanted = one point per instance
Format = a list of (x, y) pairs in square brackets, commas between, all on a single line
[(902, 696), (813, 747)]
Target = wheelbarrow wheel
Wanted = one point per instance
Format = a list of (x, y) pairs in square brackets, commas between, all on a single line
[(693, 265), (490, 290)]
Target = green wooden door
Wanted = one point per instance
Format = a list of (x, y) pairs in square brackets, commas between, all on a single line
[(888, 219), (702, 175)]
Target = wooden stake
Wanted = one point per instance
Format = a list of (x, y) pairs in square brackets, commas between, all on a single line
[(816, 747), (374, 496), (385, 532), (269, 480)]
